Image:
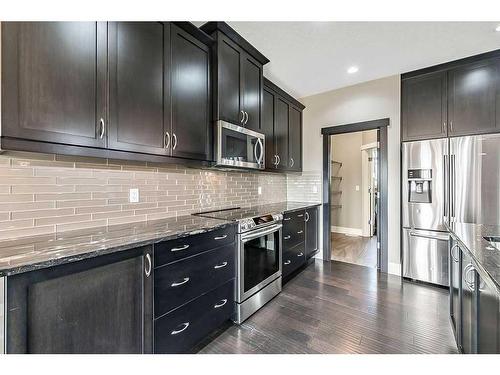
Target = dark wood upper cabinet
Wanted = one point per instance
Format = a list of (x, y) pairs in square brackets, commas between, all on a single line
[(238, 77), (228, 81), (54, 82), (191, 130), (424, 107), (281, 132), (268, 115), (98, 305), (473, 94), (295, 139), (252, 92), (139, 67)]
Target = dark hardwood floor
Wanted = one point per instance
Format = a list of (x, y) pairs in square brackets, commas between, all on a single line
[(344, 308)]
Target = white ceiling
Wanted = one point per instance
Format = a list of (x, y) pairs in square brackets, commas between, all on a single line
[(312, 57)]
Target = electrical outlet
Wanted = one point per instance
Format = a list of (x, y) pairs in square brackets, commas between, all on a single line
[(315, 189), (259, 190), (133, 195), (357, 187)]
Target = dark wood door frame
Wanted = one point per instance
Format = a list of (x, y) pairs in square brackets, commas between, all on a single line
[(381, 126)]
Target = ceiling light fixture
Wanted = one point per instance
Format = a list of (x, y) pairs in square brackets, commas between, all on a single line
[(352, 69)]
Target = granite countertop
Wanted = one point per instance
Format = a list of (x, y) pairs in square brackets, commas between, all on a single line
[(485, 255), (36, 252)]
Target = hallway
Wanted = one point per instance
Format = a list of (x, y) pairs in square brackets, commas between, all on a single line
[(354, 249)]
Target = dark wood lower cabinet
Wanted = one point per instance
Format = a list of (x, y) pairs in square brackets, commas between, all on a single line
[(99, 305), (312, 231)]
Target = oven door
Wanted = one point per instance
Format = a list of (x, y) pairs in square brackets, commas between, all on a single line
[(259, 260), (239, 147)]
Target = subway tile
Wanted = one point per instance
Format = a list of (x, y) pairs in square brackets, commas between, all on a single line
[(28, 181), (112, 214), (80, 159), (81, 225), (63, 172), (19, 189), (81, 203), (23, 232), (148, 211), (138, 206), (42, 213), (35, 156), (6, 172), (126, 220), (23, 206), (97, 188), (81, 181), (62, 196), (4, 216), (10, 198), (41, 164), (62, 219), (109, 195), (95, 209)]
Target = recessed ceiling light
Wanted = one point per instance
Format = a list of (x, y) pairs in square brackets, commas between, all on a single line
[(497, 28), (352, 69)]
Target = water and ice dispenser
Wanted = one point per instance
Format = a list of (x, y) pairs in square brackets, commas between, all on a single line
[(420, 185)]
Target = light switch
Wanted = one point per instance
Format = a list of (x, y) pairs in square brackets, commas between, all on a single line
[(259, 190), (134, 195)]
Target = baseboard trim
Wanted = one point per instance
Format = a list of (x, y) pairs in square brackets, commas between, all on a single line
[(346, 230), (394, 269)]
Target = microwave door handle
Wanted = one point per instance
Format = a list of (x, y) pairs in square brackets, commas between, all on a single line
[(261, 155), (255, 151)]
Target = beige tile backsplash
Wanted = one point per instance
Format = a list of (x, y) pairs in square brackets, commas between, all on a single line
[(42, 193)]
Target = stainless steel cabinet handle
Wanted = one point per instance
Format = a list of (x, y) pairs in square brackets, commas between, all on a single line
[(149, 267), (287, 218), (300, 215), (279, 160), (185, 325), (166, 139), (451, 125), (307, 217), (242, 116), (175, 141), (286, 237), (246, 117), (444, 127), (220, 237), (186, 279), (300, 232), (470, 283), (287, 262), (101, 128), (222, 265), (300, 254), (292, 162), (179, 248), (220, 304)]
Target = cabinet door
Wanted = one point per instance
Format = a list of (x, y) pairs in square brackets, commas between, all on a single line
[(468, 305), (455, 284), (138, 95), (252, 92), (281, 132), (229, 80), (295, 140), (424, 107), (191, 131), (473, 94), (312, 231), (99, 305), (53, 81), (268, 116), (488, 318)]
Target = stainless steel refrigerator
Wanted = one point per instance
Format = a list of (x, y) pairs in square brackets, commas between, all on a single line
[(425, 197), (455, 179)]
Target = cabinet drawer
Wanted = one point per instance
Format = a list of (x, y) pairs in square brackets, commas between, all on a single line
[(293, 229), (293, 259), (183, 328), (179, 282), (170, 251)]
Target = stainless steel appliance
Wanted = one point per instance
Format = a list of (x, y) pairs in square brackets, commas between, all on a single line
[(425, 208), (236, 146), (259, 256), (475, 179)]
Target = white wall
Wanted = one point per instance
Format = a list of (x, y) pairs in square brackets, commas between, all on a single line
[(363, 102)]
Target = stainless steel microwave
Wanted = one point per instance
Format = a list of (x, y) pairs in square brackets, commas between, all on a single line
[(238, 147)]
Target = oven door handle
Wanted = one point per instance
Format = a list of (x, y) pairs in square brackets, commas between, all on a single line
[(268, 230)]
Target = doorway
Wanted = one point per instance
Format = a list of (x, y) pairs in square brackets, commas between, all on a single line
[(354, 189), (355, 193)]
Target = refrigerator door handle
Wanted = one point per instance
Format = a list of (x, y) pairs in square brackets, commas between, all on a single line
[(452, 184), (430, 237), (445, 190)]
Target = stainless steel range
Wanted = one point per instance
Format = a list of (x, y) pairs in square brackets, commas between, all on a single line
[(259, 256)]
